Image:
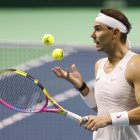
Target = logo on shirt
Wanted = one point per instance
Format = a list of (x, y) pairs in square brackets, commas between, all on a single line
[(113, 79), (118, 116), (97, 78)]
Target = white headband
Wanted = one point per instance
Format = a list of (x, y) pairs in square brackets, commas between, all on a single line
[(113, 23)]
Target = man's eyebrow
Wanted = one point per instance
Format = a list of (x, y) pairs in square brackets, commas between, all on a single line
[(96, 26)]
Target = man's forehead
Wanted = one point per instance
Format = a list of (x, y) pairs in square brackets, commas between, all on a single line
[(98, 24)]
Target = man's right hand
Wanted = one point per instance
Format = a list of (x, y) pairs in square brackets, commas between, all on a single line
[(73, 77)]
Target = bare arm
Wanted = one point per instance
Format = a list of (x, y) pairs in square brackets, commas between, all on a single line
[(133, 75), (75, 78)]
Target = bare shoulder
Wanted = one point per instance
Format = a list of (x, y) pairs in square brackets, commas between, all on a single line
[(134, 63), (133, 68)]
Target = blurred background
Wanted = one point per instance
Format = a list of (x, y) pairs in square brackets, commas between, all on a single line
[(69, 21), (22, 25)]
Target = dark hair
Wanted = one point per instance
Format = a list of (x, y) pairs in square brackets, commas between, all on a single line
[(121, 17)]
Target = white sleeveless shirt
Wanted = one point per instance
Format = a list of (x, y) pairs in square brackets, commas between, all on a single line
[(114, 94)]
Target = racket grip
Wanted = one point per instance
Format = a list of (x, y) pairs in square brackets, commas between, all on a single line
[(73, 116)]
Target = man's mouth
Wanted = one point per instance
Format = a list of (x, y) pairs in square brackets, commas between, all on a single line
[(97, 42)]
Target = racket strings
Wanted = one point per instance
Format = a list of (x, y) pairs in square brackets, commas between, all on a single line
[(21, 92)]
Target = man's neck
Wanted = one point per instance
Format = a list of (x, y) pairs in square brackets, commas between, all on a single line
[(116, 55)]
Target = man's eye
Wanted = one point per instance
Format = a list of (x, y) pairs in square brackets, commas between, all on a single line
[(98, 29)]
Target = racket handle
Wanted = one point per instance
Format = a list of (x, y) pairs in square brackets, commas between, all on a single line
[(73, 116)]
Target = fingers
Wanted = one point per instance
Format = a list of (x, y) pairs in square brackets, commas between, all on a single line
[(84, 120), (73, 67), (95, 128), (61, 73), (57, 71), (91, 126), (89, 123), (67, 74)]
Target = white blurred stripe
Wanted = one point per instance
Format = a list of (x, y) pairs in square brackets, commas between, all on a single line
[(59, 98), (24, 67), (40, 61), (20, 116)]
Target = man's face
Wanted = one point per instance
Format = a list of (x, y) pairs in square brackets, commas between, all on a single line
[(102, 37)]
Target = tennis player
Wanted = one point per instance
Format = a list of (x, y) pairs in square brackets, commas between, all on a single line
[(117, 85)]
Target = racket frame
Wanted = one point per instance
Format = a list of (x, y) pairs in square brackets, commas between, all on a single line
[(59, 109)]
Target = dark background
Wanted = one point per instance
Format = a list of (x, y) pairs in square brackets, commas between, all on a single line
[(67, 3)]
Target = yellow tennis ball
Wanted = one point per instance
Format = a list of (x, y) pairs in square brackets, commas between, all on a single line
[(48, 39), (58, 54)]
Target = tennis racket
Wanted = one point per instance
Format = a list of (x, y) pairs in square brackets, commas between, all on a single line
[(23, 93)]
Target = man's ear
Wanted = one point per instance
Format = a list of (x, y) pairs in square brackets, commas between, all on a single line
[(116, 32)]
